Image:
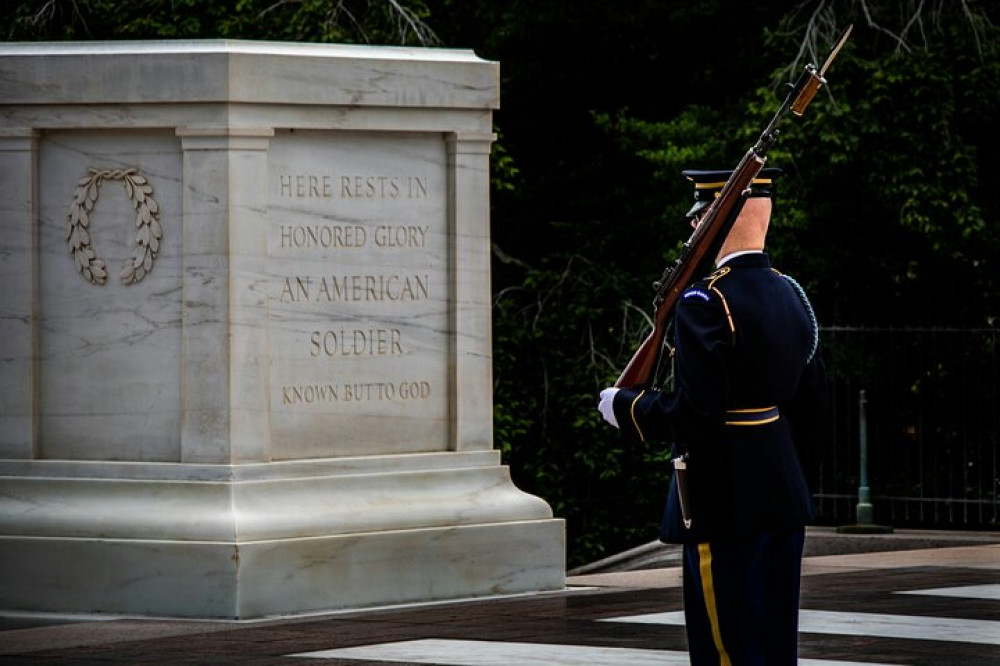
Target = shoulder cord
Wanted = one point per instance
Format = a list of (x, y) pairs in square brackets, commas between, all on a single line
[(713, 278), (813, 324)]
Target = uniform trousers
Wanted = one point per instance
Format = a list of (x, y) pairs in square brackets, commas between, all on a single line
[(741, 600)]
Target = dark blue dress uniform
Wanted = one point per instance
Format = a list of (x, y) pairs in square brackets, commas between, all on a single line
[(749, 387)]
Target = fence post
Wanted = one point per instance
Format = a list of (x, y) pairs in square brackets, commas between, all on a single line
[(864, 510)]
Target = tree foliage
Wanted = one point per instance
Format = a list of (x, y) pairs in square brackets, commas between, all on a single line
[(887, 210), (357, 21), (884, 211)]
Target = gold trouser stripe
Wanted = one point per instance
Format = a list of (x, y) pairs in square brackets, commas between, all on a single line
[(708, 591), (631, 411)]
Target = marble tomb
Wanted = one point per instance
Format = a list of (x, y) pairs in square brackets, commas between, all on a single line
[(245, 332)]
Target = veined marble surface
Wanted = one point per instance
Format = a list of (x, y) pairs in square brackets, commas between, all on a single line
[(279, 470), (276, 508), (245, 72), (109, 380), (320, 281), (358, 293), (284, 402)]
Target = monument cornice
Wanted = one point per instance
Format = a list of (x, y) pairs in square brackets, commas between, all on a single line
[(241, 71)]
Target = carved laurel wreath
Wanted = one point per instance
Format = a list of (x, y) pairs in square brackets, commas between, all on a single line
[(147, 239)]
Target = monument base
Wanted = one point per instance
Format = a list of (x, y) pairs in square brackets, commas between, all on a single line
[(251, 541)]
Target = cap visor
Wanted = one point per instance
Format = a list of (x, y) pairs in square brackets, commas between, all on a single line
[(697, 208)]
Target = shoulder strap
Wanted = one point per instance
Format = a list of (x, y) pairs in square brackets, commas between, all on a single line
[(709, 284)]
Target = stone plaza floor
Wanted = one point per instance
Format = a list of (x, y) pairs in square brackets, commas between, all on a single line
[(937, 606)]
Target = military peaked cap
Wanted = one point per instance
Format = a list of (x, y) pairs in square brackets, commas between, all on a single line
[(708, 184)]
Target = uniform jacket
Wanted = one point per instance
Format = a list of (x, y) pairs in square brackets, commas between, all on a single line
[(743, 345)]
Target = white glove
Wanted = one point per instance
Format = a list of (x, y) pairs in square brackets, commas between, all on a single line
[(607, 405)]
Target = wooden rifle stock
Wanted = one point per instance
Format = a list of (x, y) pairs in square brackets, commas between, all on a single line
[(698, 252), (701, 248)]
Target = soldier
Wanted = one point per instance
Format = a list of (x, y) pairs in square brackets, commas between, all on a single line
[(749, 397)]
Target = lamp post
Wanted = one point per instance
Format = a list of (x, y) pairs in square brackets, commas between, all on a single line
[(864, 509)]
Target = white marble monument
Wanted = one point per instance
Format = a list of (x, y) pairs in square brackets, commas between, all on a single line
[(245, 332)]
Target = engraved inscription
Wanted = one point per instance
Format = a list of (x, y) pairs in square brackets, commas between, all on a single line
[(355, 288), (356, 342), (326, 236), (308, 394), (332, 236), (356, 186), (400, 236)]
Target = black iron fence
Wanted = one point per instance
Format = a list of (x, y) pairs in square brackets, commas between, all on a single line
[(932, 422)]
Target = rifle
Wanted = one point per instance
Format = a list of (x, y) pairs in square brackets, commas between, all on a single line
[(702, 247)]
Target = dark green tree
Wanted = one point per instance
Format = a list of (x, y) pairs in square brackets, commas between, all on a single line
[(883, 211)]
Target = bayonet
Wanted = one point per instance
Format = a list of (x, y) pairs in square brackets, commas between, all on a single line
[(811, 79), (835, 50)]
